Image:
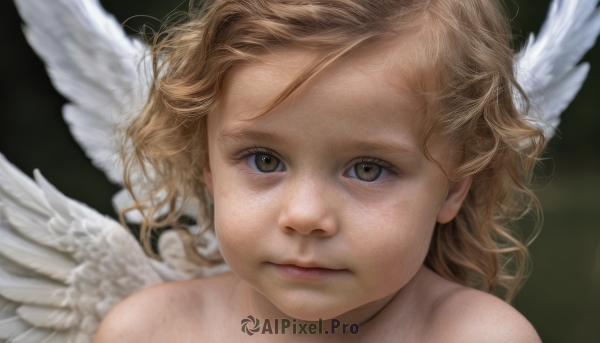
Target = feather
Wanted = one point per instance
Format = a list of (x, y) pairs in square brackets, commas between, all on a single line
[(68, 208), (32, 291), (56, 337), (91, 134), (556, 97), (37, 335), (12, 268), (35, 257), (546, 68), (48, 317), (30, 228), (7, 308), (12, 327), (55, 199), (93, 63), (22, 190)]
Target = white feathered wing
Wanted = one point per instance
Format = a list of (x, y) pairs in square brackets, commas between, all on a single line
[(93, 63), (63, 266), (547, 67), (106, 76)]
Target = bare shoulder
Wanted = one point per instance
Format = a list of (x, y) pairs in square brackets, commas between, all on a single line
[(143, 316), (464, 314), (167, 312)]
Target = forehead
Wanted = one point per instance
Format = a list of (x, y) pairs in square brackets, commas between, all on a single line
[(363, 94)]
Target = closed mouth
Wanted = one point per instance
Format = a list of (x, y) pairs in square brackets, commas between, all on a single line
[(306, 273)]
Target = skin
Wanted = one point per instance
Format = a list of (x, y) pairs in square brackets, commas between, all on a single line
[(314, 210)]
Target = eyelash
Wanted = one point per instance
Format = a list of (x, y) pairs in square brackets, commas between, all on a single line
[(383, 164), (243, 155), (256, 150)]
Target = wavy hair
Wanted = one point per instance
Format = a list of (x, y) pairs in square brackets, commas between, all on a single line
[(461, 69)]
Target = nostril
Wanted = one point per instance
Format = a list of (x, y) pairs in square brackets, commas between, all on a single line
[(319, 225), (307, 210)]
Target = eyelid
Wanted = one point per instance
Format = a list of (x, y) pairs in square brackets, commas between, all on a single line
[(383, 164), (256, 150)]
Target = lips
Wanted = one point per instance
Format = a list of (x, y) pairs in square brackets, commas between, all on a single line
[(308, 272)]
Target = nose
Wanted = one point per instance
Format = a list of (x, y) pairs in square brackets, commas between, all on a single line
[(308, 209)]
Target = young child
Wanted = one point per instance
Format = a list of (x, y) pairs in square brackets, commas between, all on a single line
[(365, 160)]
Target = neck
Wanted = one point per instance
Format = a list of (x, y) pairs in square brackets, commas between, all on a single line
[(365, 316)]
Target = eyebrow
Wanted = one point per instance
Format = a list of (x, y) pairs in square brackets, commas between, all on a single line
[(273, 138), (384, 146), (249, 135)]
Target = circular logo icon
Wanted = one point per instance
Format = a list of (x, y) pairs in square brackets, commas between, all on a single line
[(250, 320)]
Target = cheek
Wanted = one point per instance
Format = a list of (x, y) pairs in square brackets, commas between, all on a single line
[(242, 221), (232, 215), (394, 239)]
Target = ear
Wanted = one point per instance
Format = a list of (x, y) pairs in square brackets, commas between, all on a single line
[(457, 192), (208, 178)]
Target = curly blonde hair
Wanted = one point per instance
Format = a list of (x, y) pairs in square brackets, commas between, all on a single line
[(461, 69)]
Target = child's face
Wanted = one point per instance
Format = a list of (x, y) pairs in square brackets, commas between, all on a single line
[(333, 177)]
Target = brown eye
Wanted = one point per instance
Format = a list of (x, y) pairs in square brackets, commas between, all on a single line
[(265, 163), (367, 172)]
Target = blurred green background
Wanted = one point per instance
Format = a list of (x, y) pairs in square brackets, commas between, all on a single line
[(561, 297)]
